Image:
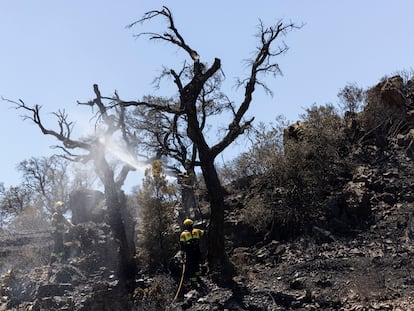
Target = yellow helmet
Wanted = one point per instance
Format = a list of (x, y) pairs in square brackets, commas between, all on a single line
[(59, 204), (188, 222)]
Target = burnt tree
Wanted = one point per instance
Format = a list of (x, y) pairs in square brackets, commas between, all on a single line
[(191, 89), (94, 149)]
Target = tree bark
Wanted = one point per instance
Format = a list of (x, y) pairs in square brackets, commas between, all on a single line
[(220, 266), (127, 267), (216, 250)]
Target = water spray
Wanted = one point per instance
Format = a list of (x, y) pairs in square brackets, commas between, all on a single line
[(121, 153)]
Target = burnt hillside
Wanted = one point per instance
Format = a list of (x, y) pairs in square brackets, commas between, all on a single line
[(338, 240)]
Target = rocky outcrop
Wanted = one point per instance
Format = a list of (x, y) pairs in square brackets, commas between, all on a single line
[(87, 205), (389, 110), (393, 92)]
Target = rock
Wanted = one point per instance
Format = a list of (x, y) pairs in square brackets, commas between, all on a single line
[(392, 91), (297, 283), (87, 205), (51, 290)]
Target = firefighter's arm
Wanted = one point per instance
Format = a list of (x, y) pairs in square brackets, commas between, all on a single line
[(68, 223), (201, 232)]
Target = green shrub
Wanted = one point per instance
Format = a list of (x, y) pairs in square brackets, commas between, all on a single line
[(290, 195), (157, 241)]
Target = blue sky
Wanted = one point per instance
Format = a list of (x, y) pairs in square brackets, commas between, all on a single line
[(52, 52)]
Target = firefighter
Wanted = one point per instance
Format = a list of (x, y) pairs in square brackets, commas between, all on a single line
[(59, 224), (190, 249)]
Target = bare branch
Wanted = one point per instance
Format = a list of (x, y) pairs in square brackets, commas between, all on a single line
[(65, 127), (120, 180), (261, 64), (173, 36), (177, 79)]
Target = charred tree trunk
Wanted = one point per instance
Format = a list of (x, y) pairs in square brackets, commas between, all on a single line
[(217, 257), (127, 268), (188, 204), (188, 182), (95, 151), (219, 263), (216, 250)]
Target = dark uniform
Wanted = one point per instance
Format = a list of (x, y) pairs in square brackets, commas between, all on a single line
[(59, 223), (190, 246)]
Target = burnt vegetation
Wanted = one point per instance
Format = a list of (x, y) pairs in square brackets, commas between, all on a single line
[(316, 214)]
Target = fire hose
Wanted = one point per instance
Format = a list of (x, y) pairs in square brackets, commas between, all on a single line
[(181, 283)]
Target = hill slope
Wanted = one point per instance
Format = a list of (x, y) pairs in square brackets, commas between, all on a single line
[(356, 254)]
